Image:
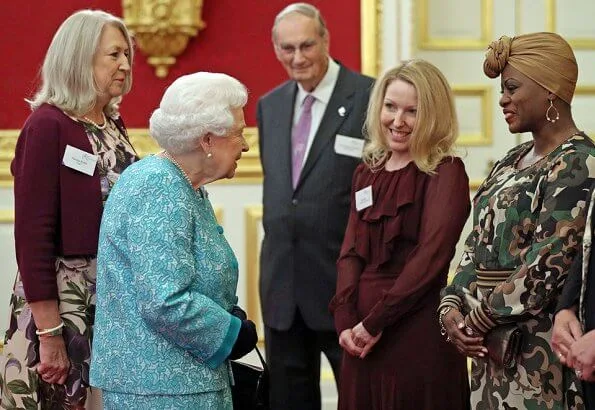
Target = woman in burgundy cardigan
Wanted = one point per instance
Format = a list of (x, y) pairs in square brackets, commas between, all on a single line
[(70, 152)]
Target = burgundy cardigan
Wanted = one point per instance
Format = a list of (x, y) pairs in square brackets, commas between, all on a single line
[(57, 209)]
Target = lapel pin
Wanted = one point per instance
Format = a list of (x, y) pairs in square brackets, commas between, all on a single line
[(341, 111)]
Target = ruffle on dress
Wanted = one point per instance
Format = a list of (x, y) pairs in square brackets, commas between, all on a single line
[(381, 224)]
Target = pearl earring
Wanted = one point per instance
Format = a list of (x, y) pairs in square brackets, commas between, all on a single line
[(547, 113)]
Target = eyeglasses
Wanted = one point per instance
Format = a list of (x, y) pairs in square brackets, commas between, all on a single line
[(290, 49)]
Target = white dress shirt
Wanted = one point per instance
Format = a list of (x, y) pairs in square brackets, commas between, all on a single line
[(322, 93)]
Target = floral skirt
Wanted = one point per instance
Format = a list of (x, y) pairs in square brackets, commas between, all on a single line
[(19, 382)]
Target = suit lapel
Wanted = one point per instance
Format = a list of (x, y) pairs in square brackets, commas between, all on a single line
[(331, 121)]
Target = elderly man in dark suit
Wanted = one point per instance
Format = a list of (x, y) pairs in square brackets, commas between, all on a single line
[(310, 134)]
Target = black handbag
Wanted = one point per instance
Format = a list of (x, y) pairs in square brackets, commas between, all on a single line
[(504, 345), (250, 385), (503, 342)]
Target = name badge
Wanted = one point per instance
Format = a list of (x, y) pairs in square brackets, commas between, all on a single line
[(352, 147), (79, 160), (363, 198)]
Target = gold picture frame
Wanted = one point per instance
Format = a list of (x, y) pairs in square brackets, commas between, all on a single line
[(485, 135), (6, 216), (578, 43), (371, 37), (8, 142), (253, 215), (586, 90), (426, 42)]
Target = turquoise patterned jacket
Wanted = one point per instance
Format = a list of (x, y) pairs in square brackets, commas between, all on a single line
[(166, 280)]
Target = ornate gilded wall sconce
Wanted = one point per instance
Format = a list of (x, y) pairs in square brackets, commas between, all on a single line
[(162, 28)]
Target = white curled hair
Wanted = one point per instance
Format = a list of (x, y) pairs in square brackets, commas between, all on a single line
[(193, 106)]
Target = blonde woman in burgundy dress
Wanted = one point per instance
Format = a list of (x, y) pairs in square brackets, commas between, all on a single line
[(410, 200)]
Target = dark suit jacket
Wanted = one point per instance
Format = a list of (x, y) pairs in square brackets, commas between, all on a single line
[(304, 228)]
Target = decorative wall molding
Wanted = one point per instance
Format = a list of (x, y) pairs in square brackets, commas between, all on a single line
[(219, 215), (8, 141), (484, 93), (6, 216), (248, 172), (162, 28), (474, 184), (425, 41), (371, 36), (586, 91), (253, 214), (550, 15), (551, 24)]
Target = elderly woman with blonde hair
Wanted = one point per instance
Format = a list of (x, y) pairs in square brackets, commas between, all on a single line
[(70, 152), (528, 223), (167, 320), (409, 202)]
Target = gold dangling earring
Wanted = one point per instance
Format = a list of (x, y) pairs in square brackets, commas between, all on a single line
[(547, 113)]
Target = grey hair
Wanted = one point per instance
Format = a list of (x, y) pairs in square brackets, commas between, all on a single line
[(67, 79), (193, 106), (305, 9)]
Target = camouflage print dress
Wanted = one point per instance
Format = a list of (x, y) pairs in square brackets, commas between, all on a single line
[(20, 385), (529, 222)]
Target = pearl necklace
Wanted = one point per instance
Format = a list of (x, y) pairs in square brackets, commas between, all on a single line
[(165, 154), (99, 127)]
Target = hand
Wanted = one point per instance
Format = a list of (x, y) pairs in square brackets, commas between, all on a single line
[(462, 338), (53, 360), (581, 357), (362, 338), (246, 341), (567, 330), (346, 342)]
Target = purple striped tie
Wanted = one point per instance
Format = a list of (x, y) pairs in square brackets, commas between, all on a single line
[(299, 138)]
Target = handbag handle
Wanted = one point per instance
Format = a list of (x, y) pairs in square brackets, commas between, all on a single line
[(265, 368)]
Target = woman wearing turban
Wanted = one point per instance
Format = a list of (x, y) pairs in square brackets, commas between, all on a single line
[(528, 223)]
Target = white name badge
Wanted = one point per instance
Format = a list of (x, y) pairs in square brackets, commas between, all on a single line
[(352, 147), (80, 160), (363, 198)]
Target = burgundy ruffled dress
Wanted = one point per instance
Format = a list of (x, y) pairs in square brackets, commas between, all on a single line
[(393, 263)]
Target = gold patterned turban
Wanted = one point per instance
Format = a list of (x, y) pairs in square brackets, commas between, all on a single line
[(546, 58)]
